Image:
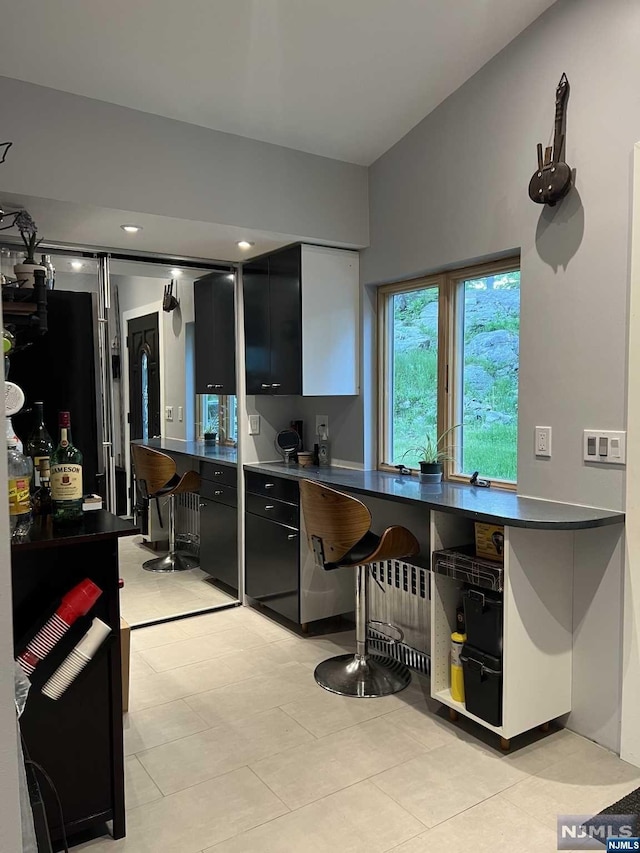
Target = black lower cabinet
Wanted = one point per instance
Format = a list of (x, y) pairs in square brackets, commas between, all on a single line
[(272, 566), (219, 541)]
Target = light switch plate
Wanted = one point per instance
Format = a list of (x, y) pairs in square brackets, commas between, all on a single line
[(542, 441), (180, 413), (169, 413), (604, 447), (254, 424)]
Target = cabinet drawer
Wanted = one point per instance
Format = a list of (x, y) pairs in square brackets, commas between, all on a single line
[(217, 473), (217, 492), (272, 487), (272, 509)]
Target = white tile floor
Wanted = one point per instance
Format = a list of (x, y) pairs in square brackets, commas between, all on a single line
[(149, 596), (232, 748)]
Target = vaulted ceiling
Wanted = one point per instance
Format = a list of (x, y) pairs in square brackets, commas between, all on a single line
[(340, 78)]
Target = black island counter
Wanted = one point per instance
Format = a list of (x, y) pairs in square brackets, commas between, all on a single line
[(77, 738)]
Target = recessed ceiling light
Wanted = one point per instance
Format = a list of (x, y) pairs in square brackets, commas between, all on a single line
[(175, 273), (245, 244), (77, 265), (131, 229)]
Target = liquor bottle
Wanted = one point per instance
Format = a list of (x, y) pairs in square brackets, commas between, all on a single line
[(66, 476), (39, 444), (12, 436), (42, 495), (19, 469)]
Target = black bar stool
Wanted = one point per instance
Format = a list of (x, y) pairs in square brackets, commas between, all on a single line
[(157, 478), (338, 530)]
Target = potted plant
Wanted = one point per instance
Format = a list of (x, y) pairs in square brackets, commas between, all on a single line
[(24, 272), (432, 456), (211, 431)]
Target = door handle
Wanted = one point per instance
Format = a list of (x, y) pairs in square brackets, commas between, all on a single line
[(292, 536)]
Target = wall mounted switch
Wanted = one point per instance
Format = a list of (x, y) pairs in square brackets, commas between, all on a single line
[(604, 446), (180, 413), (169, 413), (254, 424), (543, 441)]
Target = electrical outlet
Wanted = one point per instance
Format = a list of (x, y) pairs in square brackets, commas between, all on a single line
[(320, 421), (604, 446), (254, 424), (180, 413), (543, 441), (168, 413)]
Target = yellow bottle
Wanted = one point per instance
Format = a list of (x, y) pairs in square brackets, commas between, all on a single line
[(457, 677)]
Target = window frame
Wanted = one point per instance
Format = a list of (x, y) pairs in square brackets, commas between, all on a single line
[(450, 284), (226, 422)]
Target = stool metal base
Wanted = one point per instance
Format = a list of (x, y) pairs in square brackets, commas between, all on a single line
[(366, 677), (179, 561)]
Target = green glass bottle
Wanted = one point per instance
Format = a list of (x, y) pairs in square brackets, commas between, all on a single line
[(66, 476)]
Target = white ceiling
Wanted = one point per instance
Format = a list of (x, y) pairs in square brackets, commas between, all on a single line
[(341, 78), (85, 225)]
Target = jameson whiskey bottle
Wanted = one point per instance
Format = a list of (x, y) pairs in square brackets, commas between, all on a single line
[(66, 476), (39, 444)]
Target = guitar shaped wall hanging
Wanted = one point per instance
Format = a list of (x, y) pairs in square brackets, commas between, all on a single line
[(552, 179)]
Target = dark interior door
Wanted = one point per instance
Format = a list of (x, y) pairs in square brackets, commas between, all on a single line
[(255, 282), (144, 377), (285, 309), (215, 334)]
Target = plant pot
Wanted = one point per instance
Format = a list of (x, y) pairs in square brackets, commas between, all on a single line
[(210, 437), (431, 472), (24, 274)]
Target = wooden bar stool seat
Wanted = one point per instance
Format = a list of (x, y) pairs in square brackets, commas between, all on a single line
[(339, 534), (157, 477)]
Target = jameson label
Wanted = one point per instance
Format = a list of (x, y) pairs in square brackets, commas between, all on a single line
[(66, 482), (19, 496)]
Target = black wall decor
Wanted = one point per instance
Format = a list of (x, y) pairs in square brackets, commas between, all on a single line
[(553, 178)]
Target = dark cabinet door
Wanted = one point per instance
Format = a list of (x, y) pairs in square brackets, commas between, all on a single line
[(215, 335), (285, 308), (272, 566), (219, 541), (255, 283)]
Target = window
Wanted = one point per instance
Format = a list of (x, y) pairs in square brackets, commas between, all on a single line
[(449, 361), (219, 414)]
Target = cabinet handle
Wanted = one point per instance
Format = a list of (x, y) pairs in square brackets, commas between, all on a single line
[(292, 536), (269, 485), (214, 386), (202, 506), (218, 492), (276, 384), (265, 385), (269, 506), (217, 473)]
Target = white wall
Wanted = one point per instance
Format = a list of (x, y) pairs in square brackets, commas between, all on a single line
[(76, 149), (454, 190)]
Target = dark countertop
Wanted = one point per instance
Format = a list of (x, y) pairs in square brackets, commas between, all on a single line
[(495, 506), (96, 525), (196, 449)]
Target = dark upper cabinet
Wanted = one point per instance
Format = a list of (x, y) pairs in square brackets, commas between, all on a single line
[(285, 308), (272, 322), (301, 320), (257, 329), (215, 334)]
